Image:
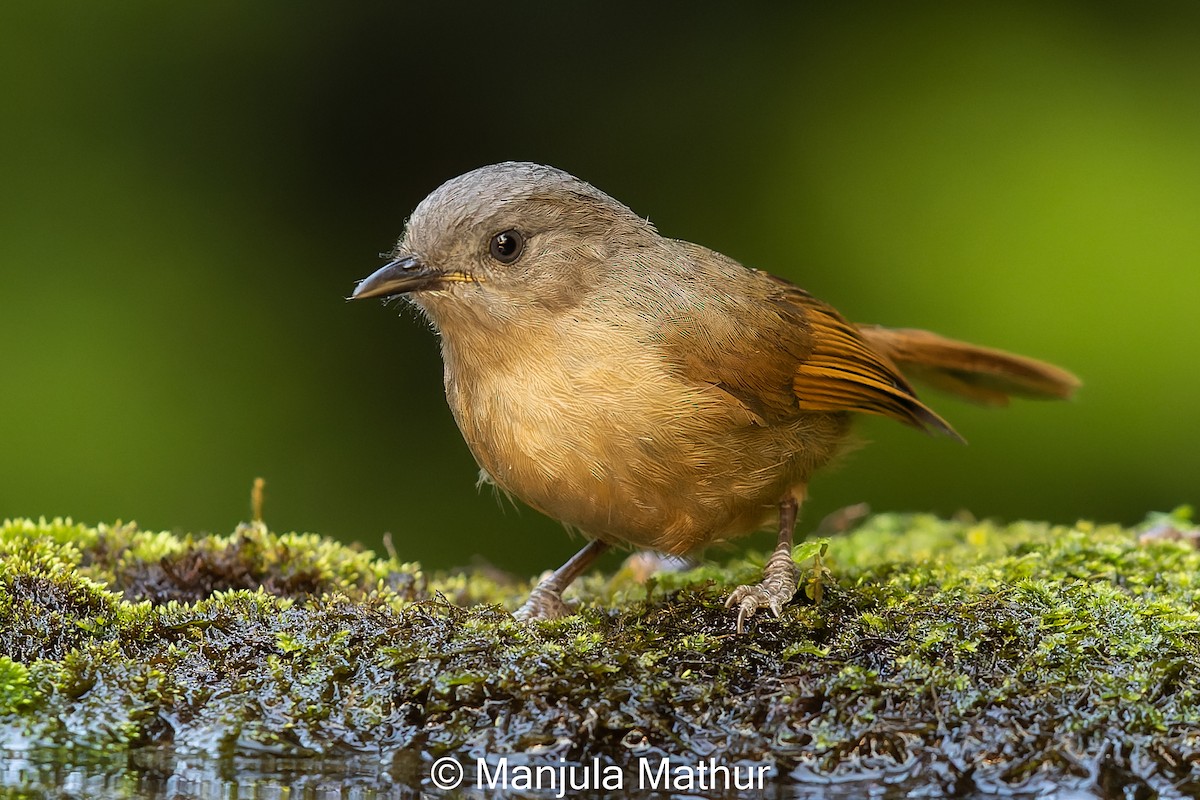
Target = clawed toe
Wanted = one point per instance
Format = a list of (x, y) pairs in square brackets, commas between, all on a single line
[(779, 583), (749, 599), (543, 603)]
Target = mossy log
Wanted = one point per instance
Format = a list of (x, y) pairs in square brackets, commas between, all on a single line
[(956, 656)]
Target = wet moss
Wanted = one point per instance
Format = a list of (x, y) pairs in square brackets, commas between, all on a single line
[(966, 655)]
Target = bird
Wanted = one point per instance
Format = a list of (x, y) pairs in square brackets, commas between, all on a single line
[(649, 392)]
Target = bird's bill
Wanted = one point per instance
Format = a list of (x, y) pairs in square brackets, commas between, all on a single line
[(400, 276)]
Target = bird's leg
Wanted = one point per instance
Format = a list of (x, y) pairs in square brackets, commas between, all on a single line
[(545, 601), (779, 573)]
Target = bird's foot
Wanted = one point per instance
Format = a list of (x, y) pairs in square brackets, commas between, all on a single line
[(779, 583), (545, 602)]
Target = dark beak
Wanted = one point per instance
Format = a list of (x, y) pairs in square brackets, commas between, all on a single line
[(405, 274)]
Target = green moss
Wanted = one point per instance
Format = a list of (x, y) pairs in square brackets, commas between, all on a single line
[(15, 690), (961, 653)]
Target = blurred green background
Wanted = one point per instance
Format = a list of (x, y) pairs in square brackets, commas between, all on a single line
[(190, 191)]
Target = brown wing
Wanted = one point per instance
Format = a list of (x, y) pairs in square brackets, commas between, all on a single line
[(844, 372), (780, 352)]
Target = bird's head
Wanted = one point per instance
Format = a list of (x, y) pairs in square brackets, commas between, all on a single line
[(492, 244)]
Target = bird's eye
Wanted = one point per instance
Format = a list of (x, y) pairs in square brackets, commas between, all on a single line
[(506, 246)]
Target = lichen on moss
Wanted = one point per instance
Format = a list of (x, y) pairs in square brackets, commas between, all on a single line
[(956, 653)]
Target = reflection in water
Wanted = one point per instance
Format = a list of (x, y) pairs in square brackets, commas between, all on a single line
[(162, 774)]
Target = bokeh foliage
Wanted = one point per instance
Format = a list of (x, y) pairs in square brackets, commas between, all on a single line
[(191, 189)]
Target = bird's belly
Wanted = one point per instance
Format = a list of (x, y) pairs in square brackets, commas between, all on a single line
[(627, 453)]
